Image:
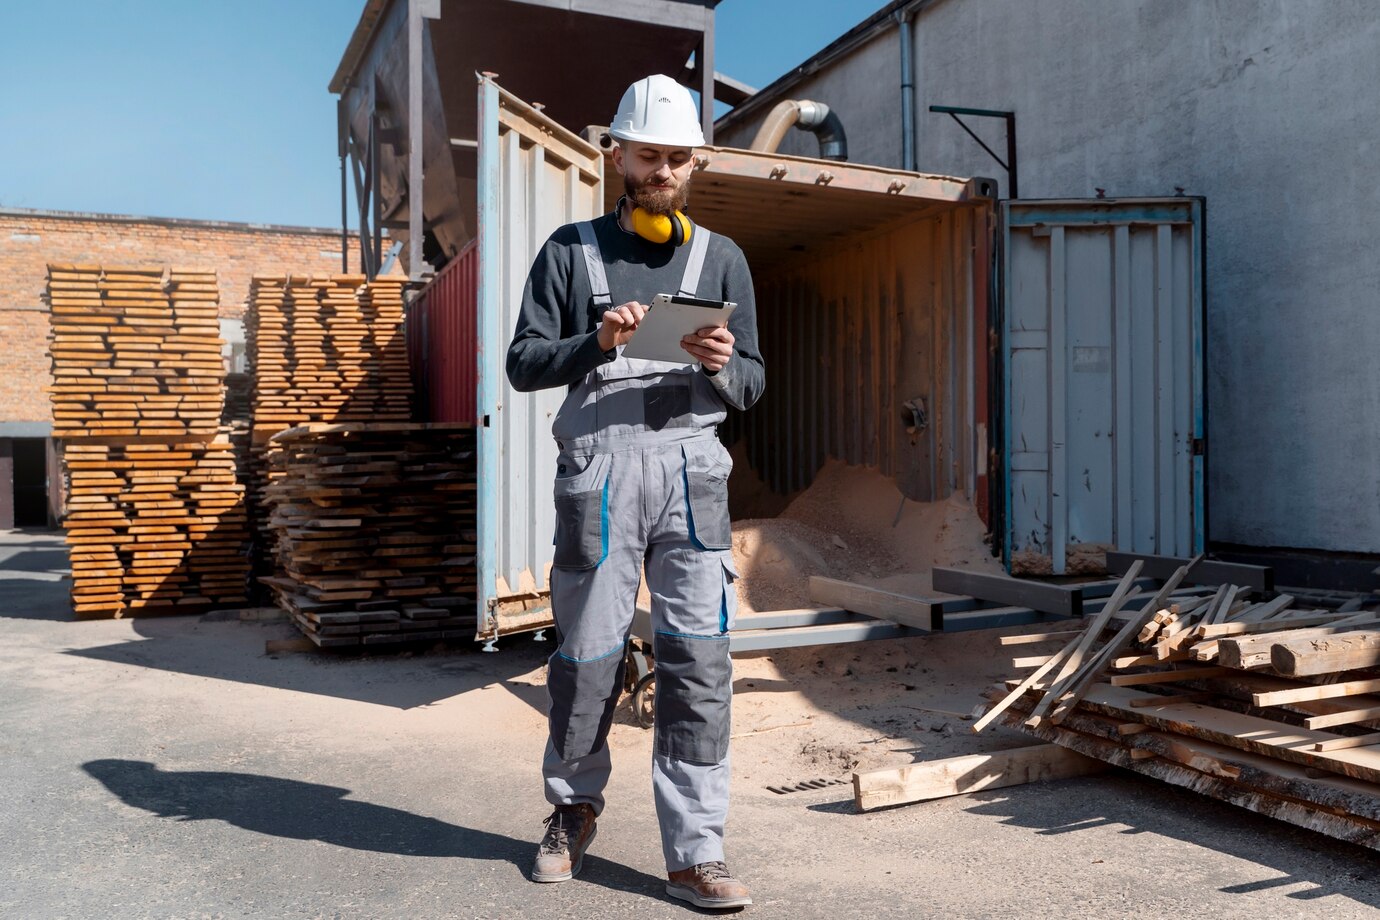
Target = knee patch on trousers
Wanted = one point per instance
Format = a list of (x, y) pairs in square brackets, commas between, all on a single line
[(583, 696), (694, 693)]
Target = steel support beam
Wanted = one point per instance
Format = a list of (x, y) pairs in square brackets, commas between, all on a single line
[(1257, 577), (704, 62), (415, 130)]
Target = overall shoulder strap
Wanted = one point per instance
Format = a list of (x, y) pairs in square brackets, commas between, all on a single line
[(699, 245), (594, 264)]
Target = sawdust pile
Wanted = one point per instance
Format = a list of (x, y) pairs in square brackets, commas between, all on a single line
[(853, 523)]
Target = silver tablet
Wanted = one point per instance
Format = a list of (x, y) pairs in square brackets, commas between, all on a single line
[(669, 319)]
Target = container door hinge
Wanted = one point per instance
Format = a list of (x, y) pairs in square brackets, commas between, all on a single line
[(1199, 446)]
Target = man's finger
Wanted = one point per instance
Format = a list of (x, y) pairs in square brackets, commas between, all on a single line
[(715, 332), (715, 346)]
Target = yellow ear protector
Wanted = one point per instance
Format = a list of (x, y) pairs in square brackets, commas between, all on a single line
[(659, 228)]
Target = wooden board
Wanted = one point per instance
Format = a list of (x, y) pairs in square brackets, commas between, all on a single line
[(968, 773)]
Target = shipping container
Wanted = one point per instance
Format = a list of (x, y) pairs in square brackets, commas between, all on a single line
[(909, 324)]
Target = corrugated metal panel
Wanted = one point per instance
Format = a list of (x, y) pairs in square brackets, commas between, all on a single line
[(534, 176), (851, 334), (1104, 338), (442, 344)]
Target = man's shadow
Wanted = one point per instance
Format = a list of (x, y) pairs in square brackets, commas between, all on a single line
[(309, 811)]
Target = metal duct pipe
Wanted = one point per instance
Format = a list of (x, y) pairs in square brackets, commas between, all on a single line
[(815, 117), (907, 91)]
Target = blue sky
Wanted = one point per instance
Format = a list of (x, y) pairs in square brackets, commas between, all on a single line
[(219, 110)]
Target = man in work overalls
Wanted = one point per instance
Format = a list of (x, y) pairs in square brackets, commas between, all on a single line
[(641, 481)]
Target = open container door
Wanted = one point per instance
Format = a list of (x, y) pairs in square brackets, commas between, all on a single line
[(1104, 320), (533, 177)]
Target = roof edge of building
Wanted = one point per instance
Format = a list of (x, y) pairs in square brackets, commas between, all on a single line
[(238, 226)]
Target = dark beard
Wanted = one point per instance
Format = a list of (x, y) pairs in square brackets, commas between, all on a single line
[(657, 201)]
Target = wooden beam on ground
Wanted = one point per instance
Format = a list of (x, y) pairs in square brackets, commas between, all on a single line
[(1342, 744), (1074, 666), (1060, 600), (1247, 733), (1253, 650), (1326, 654), (1166, 677), (1315, 692), (1222, 630), (1256, 577), (1351, 717), (1342, 808), (935, 779)]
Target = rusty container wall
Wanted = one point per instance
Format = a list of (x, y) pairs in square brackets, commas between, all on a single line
[(442, 341), (874, 351)]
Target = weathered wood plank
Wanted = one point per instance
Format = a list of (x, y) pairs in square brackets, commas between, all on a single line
[(969, 773), (1326, 654)]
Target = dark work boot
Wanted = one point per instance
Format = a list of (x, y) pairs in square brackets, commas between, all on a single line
[(569, 832), (708, 885)]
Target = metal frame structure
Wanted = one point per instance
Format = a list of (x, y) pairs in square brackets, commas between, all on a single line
[(363, 148)]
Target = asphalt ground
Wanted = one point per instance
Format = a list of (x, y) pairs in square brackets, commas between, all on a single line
[(170, 768)]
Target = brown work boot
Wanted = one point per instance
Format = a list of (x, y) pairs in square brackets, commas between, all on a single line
[(708, 885), (569, 832)]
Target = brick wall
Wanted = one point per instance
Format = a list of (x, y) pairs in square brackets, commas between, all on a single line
[(29, 240), (24, 366)]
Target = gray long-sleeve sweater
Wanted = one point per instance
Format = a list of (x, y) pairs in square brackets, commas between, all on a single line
[(556, 341)]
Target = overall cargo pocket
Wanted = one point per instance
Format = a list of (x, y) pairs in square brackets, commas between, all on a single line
[(706, 493), (582, 511)]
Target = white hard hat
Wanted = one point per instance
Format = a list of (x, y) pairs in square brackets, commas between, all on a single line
[(658, 110)]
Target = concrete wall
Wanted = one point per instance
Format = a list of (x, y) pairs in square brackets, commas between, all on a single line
[(862, 89), (1266, 107)]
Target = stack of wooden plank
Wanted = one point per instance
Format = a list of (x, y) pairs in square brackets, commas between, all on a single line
[(155, 528), (376, 531), (327, 349), (156, 519), (322, 349), (1247, 699), (134, 354)]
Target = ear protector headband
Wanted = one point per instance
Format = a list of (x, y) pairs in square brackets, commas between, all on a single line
[(659, 228)]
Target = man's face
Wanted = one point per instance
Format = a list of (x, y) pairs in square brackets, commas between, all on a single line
[(656, 179)]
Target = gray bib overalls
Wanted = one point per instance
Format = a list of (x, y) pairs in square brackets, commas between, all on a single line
[(642, 481)]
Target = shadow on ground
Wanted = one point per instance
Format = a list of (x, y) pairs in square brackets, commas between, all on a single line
[(33, 570), (234, 651), (1143, 806), (295, 810)]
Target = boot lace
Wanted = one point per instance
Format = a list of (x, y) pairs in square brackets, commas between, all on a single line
[(561, 826), (713, 872)]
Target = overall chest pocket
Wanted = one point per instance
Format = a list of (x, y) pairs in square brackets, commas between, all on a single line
[(582, 510)]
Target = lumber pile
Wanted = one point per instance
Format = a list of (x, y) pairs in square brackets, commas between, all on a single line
[(156, 520), (134, 353), (1245, 698), (375, 528), (327, 348), (321, 349)]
